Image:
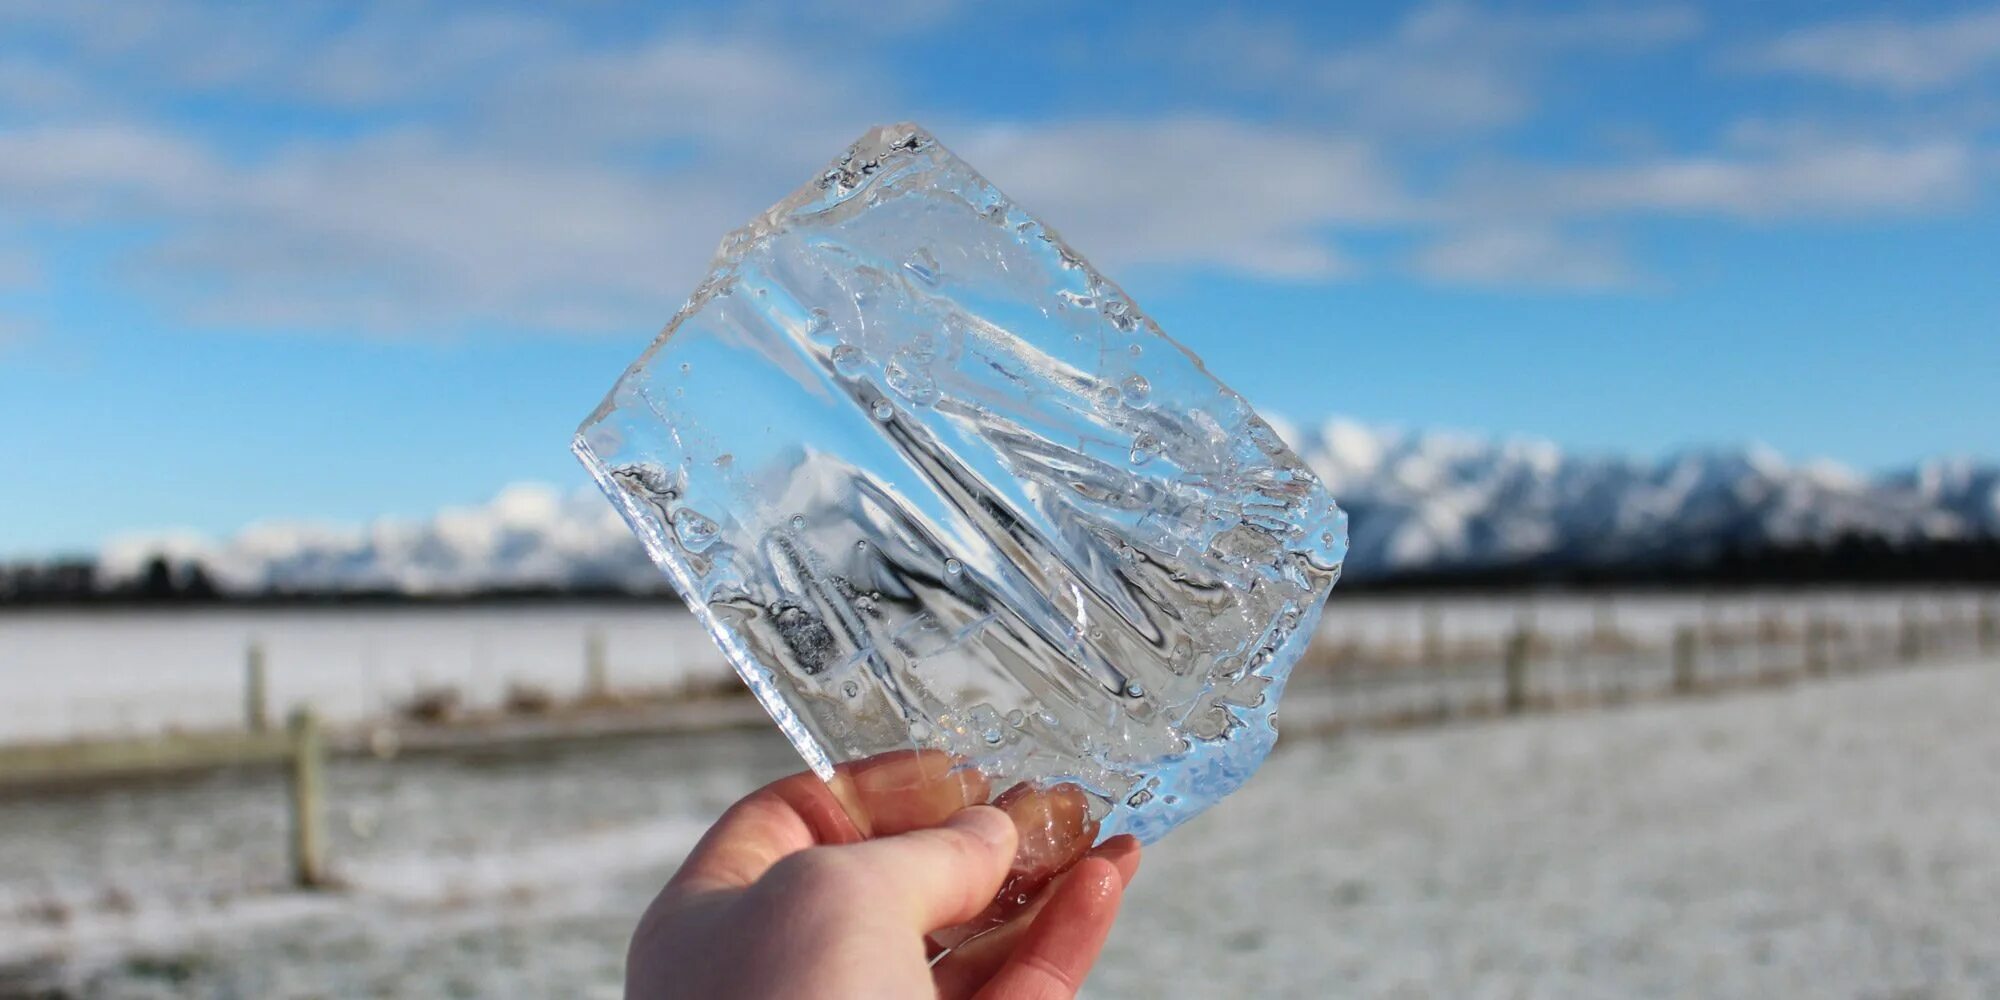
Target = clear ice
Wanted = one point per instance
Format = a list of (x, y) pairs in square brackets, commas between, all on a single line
[(931, 481)]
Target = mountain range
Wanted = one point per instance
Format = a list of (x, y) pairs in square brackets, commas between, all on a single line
[(1421, 503)]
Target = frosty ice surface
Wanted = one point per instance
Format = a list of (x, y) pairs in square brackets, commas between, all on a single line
[(931, 481)]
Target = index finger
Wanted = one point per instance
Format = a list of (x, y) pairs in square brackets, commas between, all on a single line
[(878, 796)]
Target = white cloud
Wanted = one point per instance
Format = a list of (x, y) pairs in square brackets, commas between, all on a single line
[(1904, 56), (412, 234), (1526, 257), (416, 232), (31, 87), (95, 169), (396, 54), (751, 96), (501, 170), (847, 19), (403, 233), (1209, 192), (348, 54), (1806, 180), (510, 170), (1444, 68)]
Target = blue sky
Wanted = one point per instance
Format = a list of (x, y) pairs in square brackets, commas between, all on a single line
[(334, 261)]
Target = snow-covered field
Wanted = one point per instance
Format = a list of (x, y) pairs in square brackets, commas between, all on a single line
[(87, 673), (1838, 838)]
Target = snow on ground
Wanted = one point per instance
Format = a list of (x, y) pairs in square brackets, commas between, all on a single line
[(87, 673), (90, 672), (1840, 839), (1830, 839)]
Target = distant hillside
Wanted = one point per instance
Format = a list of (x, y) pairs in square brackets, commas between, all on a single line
[(1426, 508), (1440, 504)]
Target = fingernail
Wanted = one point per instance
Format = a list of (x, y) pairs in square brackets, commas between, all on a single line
[(987, 823)]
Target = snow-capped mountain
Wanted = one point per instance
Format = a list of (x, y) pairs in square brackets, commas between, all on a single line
[(1429, 501), (529, 536), (1419, 502)]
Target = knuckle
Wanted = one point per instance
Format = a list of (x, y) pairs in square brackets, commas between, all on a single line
[(953, 848), (1052, 978), (968, 850), (963, 854), (813, 871)]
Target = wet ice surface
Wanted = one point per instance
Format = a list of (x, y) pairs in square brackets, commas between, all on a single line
[(932, 481)]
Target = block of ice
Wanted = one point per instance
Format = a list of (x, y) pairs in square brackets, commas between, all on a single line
[(932, 481)]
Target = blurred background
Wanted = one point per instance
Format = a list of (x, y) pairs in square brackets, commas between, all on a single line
[(1652, 348)]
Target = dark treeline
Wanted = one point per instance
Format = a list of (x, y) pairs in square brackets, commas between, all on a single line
[(1850, 561), (166, 584)]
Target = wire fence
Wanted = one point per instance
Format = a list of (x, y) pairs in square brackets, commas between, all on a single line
[(1441, 676)]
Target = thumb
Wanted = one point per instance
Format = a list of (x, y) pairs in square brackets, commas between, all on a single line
[(941, 875)]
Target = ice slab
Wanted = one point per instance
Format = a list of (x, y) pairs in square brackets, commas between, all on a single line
[(932, 482)]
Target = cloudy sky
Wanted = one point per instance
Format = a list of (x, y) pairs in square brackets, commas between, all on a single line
[(340, 260)]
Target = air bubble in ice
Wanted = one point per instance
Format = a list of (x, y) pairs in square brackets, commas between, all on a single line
[(1119, 312), (985, 720), (884, 410), (847, 357), (1144, 447), (696, 533), (910, 380), (953, 567), (1136, 389)]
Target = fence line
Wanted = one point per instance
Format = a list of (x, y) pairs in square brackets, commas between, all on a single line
[(1437, 678), (1356, 686)]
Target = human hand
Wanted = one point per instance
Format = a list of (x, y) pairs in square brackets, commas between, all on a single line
[(785, 896)]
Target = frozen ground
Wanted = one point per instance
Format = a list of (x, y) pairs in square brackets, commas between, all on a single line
[(1831, 839), (90, 672), (95, 672)]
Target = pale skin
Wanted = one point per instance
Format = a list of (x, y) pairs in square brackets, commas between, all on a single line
[(811, 889)]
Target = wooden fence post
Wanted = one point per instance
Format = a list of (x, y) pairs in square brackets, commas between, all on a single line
[(596, 675), (1514, 671), (308, 809), (1909, 643), (1686, 643), (256, 694), (1433, 636), (1817, 664)]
